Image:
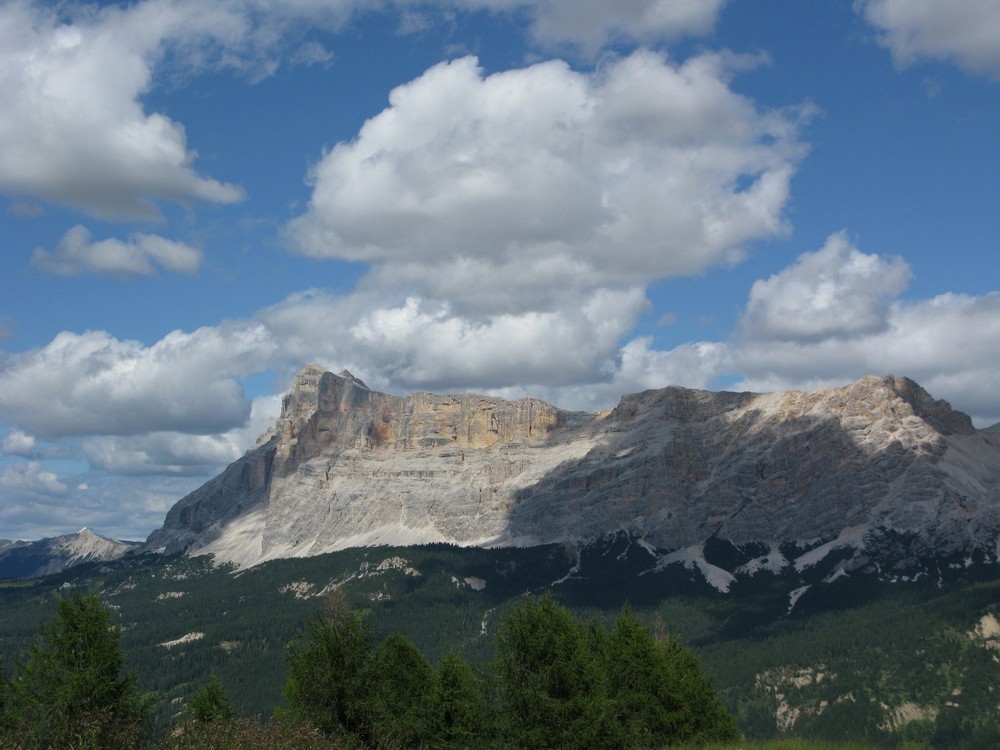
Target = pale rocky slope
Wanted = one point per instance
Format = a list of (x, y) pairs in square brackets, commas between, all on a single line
[(54, 554), (347, 466)]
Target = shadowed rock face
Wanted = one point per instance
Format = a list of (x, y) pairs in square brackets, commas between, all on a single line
[(347, 466)]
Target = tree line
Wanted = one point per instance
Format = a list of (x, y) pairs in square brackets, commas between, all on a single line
[(553, 683)]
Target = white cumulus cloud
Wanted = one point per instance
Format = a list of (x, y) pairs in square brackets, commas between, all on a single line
[(93, 383), (177, 407), (180, 454), (118, 506), (19, 443), (30, 479), (586, 24), (966, 32), (139, 256), (422, 343), (73, 130), (838, 314), (837, 291), (640, 170), (592, 23), (947, 343)]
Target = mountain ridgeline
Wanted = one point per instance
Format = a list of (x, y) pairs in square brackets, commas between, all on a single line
[(878, 471), (47, 556), (768, 531)]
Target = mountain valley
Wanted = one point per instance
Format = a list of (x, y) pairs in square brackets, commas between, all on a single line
[(831, 556), (850, 656)]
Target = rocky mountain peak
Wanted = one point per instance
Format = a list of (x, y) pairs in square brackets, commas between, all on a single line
[(936, 412), (301, 398), (51, 555), (348, 466), (347, 375)]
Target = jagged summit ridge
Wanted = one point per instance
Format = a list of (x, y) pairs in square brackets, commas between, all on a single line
[(347, 466)]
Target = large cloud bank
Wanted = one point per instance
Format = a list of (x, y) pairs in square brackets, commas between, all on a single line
[(510, 225)]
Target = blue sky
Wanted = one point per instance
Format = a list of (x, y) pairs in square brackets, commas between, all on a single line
[(572, 199)]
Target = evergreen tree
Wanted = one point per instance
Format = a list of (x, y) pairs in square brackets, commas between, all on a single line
[(400, 683), (640, 683), (326, 670), (561, 686), (70, 693), (458, 714), (210, 703), (551, 689), (698, 715), (658, 689)]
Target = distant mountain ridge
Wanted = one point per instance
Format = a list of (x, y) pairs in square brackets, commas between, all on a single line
[(831, 469), (55, 554)]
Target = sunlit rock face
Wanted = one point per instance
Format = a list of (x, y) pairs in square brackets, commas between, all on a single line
[(346, 466)]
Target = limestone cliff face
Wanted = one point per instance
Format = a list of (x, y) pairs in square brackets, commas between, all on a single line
[(677, 467), (347, 466)]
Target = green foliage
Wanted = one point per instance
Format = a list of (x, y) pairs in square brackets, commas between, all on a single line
[(4, 701), (381, 697), (210, 703), (885, 645), (69, 692), (564, 687), (326, 670), (400, 686), (551, 689), (557, 685), (458, 715), (658, 689)]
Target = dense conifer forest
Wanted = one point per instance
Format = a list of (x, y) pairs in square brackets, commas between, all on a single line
[(889, 665), (553, 684)]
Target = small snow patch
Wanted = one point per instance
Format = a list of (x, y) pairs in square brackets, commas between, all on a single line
[(693, 557), (397, 563), (794, 597), (987, 632), (906, 713), (476, 584), (851, 537), (772, 562)]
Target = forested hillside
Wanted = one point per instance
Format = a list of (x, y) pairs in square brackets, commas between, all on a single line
[(853, 659), (553, 683)]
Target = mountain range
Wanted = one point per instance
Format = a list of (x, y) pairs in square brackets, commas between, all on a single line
[(878, 468), (878, 474), (770, 531)]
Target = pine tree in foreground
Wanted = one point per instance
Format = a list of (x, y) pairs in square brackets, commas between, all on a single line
[(70, 692)]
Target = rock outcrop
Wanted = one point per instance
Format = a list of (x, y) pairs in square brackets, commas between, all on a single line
[(346, 466)]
